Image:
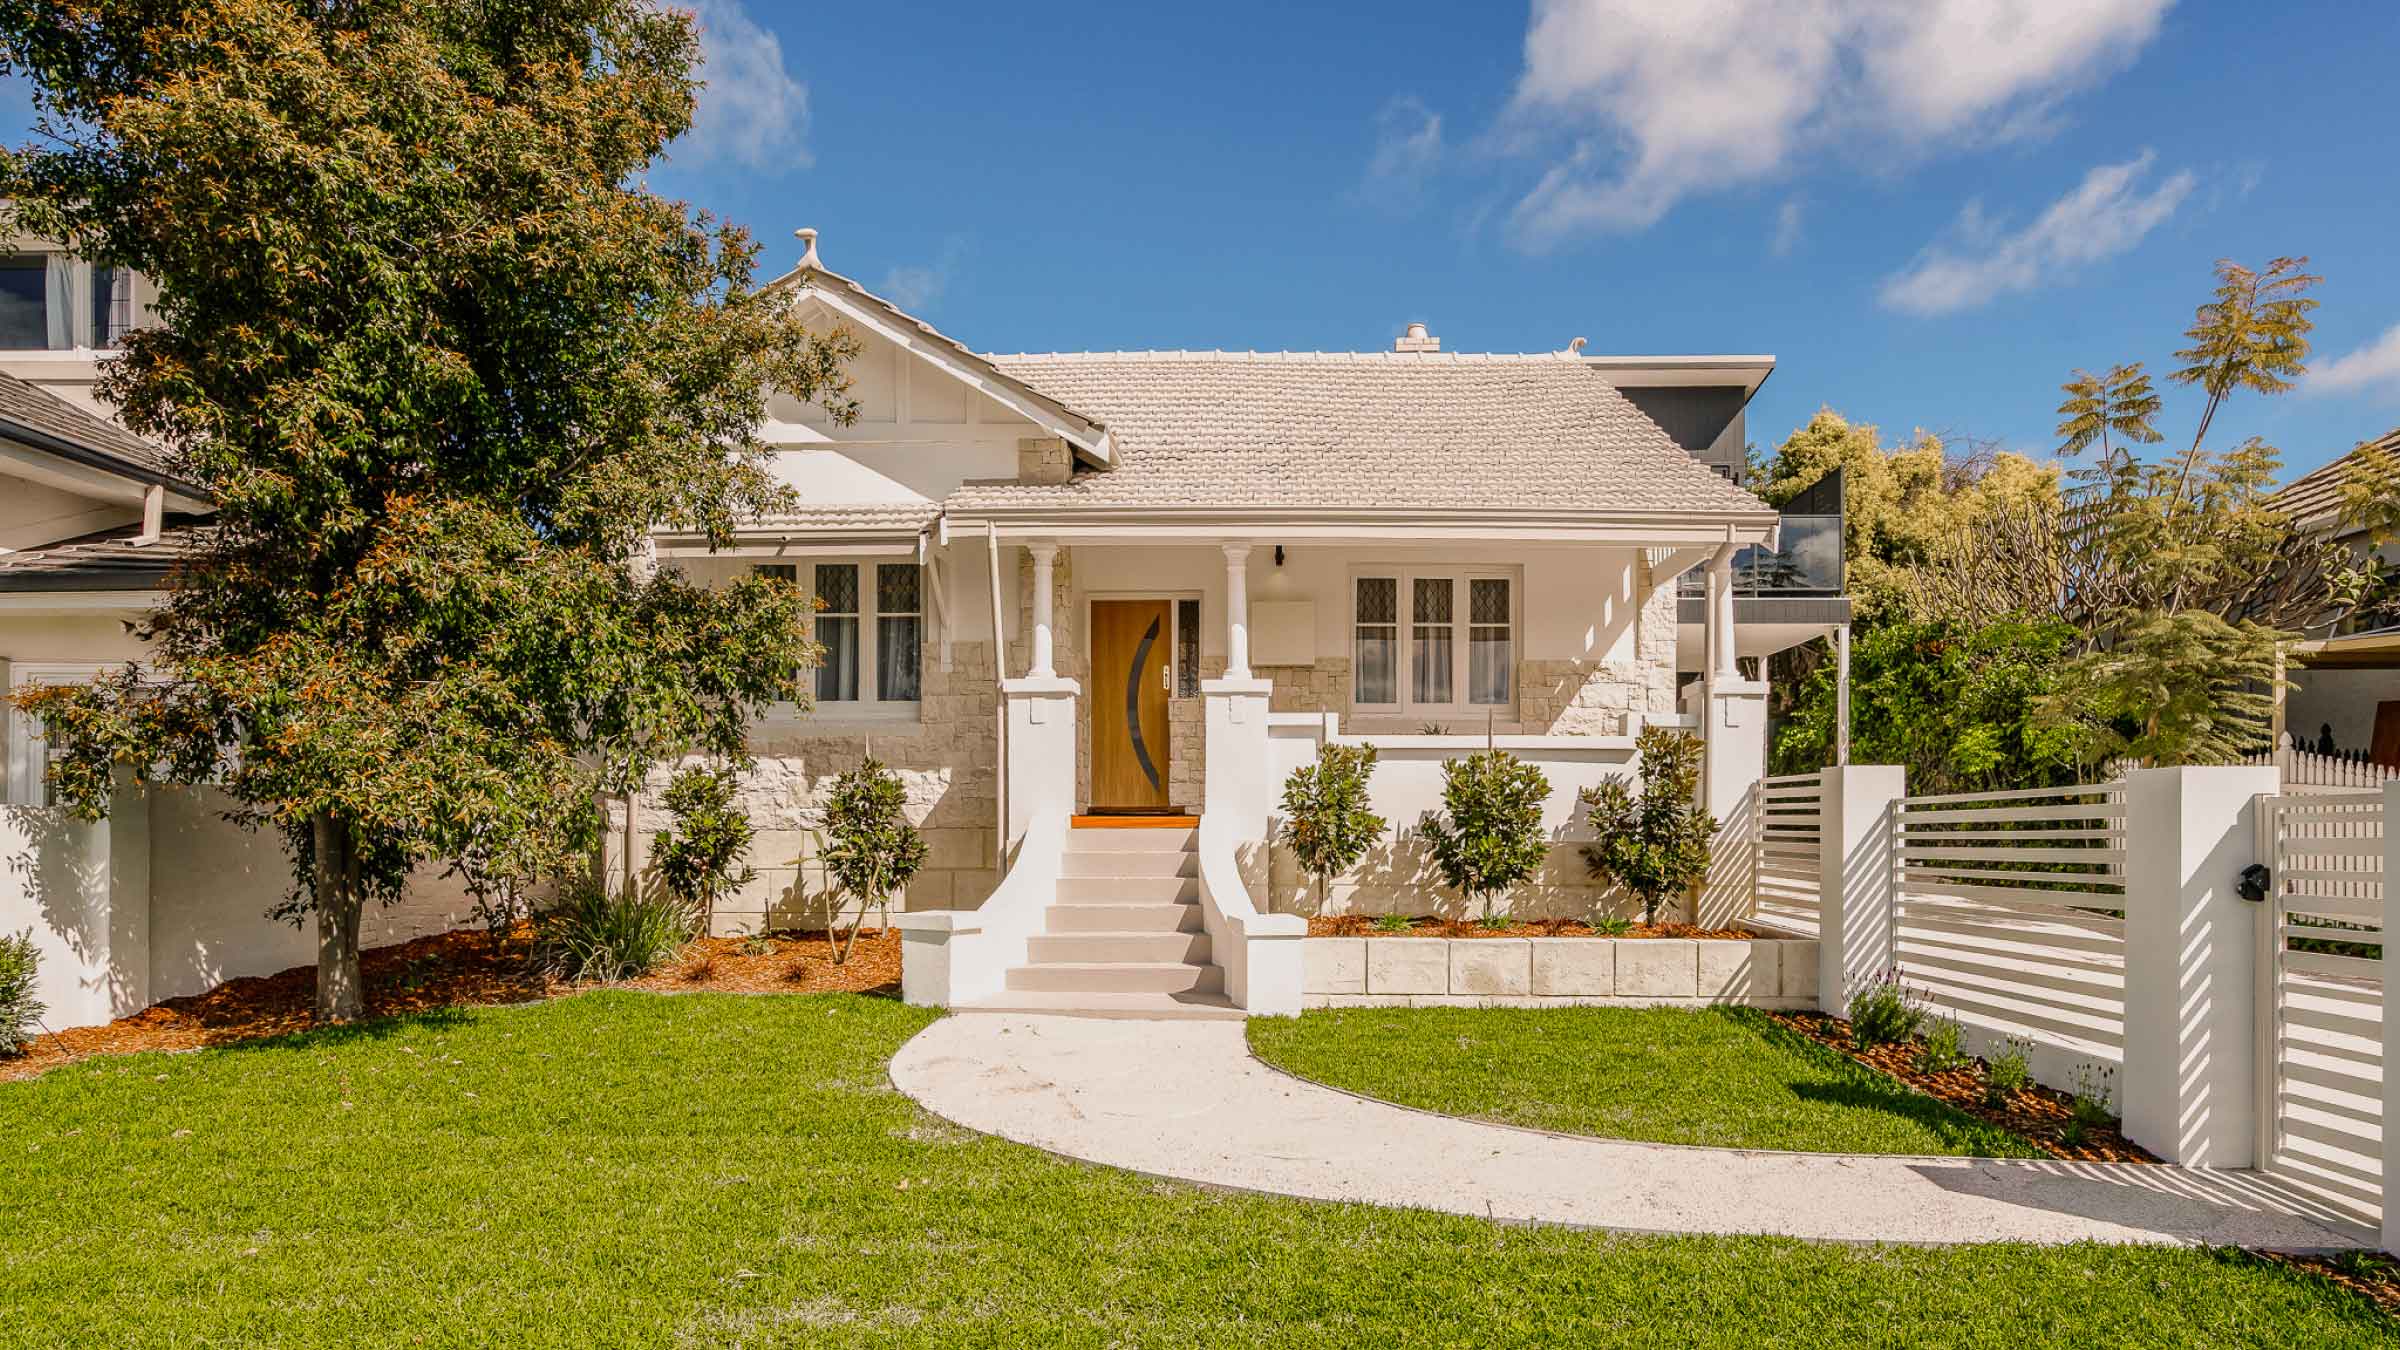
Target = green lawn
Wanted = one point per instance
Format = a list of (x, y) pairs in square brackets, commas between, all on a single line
[(635, 1170), (1726, 1077)]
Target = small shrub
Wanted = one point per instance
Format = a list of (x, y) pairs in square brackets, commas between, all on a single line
[(1488, 835), (2005, 1074), (758, 944), (20, 1011), (1612, 925), (2090, 1106), (1939, 1052), (1433, 729), (593, 935), (1326, 820), (871, 850), (1655, 844), (1884, 1014), (702, 970), (700, 860), (1497, 923), (1394, 923)]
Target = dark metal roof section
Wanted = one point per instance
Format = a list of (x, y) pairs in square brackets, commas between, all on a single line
[(104, 560)]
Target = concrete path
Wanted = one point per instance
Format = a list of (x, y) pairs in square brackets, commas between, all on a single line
[(1186, 1100)]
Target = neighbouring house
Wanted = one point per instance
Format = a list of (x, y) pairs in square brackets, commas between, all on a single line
[(1069, 591), (165, 897), (2344, 699)]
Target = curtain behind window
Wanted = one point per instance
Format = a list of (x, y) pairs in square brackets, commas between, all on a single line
[(58, 296)]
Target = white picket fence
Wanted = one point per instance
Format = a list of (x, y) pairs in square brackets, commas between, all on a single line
[(2010, 913), (1790, 819), (2320, 995), (2308, 772)]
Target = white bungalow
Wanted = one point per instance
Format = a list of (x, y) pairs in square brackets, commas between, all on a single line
[(1202, 565)]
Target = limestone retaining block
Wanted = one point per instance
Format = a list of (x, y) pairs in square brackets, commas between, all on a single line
[(1407, 965), (1739, 970), (1658, 968), (1574, 966), (1490, 966), (1799, 958), (1334, 965)]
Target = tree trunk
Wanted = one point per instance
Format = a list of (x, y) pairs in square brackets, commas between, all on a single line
[(341, 991)]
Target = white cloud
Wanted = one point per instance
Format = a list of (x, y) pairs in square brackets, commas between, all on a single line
[(1657, 102), (752, 111), (2375, 366), (1408, 148), (1788, 219), (915, 287), (2106, 214)]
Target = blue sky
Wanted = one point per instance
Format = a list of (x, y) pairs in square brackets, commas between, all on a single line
[(1929, 210)]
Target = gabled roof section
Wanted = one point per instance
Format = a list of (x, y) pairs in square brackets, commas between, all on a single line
[(871, 311), (1363, 431), (2314, 499), (33, 416)]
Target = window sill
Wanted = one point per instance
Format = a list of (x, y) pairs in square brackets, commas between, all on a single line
[(834, 719)]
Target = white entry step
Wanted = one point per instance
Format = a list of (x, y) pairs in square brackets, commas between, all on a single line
[(1124, 937)]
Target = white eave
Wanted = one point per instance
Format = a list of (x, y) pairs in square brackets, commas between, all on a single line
[(1133, 524), (1668, 372)]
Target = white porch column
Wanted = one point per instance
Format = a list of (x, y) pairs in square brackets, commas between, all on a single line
[(1237, 611), (1841, 694), (1044, 555), (1720, 612), (2191, 948), (1857, 881)]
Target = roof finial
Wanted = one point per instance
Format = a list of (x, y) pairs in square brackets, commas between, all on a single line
[(808, 236), (1417, 338), (1575, 348)]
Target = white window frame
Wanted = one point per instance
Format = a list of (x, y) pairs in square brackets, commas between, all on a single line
[(867, 706), (28, 749), (1461, 643)]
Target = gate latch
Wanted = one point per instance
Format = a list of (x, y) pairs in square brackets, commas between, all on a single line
[(2254, 882)]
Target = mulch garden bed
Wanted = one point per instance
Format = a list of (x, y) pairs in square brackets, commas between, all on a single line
[(2034, 1113), (1363, 925), (462, 969), (2370, 1275)]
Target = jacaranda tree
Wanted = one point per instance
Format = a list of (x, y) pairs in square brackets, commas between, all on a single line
[(444, 362)]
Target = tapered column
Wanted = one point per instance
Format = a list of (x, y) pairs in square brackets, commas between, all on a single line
[(1044, 555), (1237, 611)]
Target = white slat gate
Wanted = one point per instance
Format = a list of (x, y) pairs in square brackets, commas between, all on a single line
[(2320, 997)]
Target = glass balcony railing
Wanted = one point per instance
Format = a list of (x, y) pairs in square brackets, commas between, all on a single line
[(1808, 562)]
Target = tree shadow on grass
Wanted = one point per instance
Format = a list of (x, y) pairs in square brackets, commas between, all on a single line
[(1855, 1086), (360, 1032)]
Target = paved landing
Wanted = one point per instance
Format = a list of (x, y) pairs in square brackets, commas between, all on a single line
[(1186, 1100)]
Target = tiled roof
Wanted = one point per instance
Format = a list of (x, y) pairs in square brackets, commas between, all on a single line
[(2314, 499), (35, 409), (1436, 431), (856, 516), (105, 560)]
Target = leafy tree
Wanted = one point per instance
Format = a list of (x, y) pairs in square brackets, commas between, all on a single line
[(1488, 835), (1654, 844), (1327, 820), (700, 860), (871, 850), (1953, 702), (444, 363)]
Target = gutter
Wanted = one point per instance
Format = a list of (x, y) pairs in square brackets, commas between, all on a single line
[(89, 458)]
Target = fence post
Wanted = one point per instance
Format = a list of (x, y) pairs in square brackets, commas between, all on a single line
[(1857, 880), (2191, 963), (2391, 1025)]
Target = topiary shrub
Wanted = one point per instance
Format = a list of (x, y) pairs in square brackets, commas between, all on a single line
[(1488, 835), (700, 860), (1326, 820), (871, 850), (20, 1011), (1655, 844), (590, 934)]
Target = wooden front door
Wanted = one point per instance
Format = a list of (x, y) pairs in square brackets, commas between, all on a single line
[(1131, 640)]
